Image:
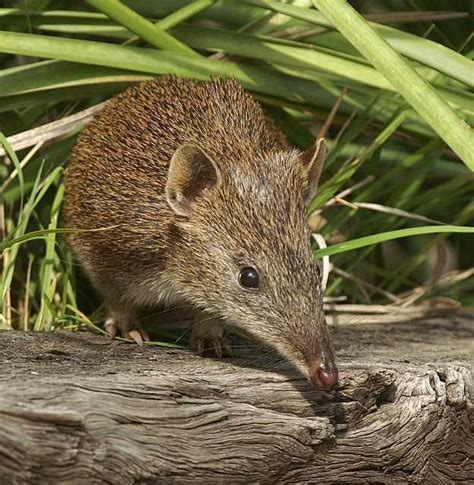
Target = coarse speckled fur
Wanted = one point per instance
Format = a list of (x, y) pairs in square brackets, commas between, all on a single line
[(256, 216)]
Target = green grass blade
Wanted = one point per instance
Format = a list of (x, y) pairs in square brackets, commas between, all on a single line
[(54, 81), (429, 53), (41, 234), (178, 16), (57, 74), (276, 52), (16, 163), (421, 95), (6, 276), (255, 78), (47, 279), (310, 63), (388, 236), (139, 25), (382, 154), (417, 48), (46, 304), (184, 13)]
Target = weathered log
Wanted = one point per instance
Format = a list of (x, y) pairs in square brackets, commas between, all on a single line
[(74, 409)]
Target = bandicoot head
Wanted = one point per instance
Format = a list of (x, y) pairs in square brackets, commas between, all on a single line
[(241, 248)]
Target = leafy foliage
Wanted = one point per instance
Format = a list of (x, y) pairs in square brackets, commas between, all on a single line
[(388, 173)]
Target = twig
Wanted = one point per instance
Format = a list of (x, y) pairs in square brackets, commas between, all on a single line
[(374, 288), (14, 173), (347, 191), (394, 211), (345, 202), (329, 120), (450, 278), (371, 309), (52, 130), (344, 126), (302, 32)]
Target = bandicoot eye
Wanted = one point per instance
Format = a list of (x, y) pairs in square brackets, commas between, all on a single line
[(249, 279)]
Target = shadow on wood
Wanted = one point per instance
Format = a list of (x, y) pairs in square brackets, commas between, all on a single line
[(74, 409)]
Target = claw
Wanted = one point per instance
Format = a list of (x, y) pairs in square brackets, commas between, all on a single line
[(199, 344), (217, 347), (227, 348), (208, 337), (136, 336), (145, 335), (110, 327)]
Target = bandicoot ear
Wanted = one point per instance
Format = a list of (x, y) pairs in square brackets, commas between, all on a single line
[(191, 172), (313, 160)]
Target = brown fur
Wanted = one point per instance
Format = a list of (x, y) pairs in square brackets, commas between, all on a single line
[(256, 216)]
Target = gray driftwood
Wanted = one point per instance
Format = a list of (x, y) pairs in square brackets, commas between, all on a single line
[(74, 409)]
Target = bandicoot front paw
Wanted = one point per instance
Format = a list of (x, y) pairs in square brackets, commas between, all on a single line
[(208, 337)]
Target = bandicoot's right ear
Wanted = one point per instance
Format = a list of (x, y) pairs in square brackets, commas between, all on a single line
[(313, 161), (191, 172)]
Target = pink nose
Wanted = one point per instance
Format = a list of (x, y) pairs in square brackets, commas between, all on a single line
[(324, 378)]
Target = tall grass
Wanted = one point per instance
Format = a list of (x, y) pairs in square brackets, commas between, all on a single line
[(400, 145)]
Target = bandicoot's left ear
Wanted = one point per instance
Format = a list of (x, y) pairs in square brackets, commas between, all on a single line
[(313, 161), (190, 174)]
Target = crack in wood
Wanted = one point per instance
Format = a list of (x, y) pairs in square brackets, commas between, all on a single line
[(73, 410)]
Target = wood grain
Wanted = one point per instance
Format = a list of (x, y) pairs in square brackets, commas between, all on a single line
[(74, 409)]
